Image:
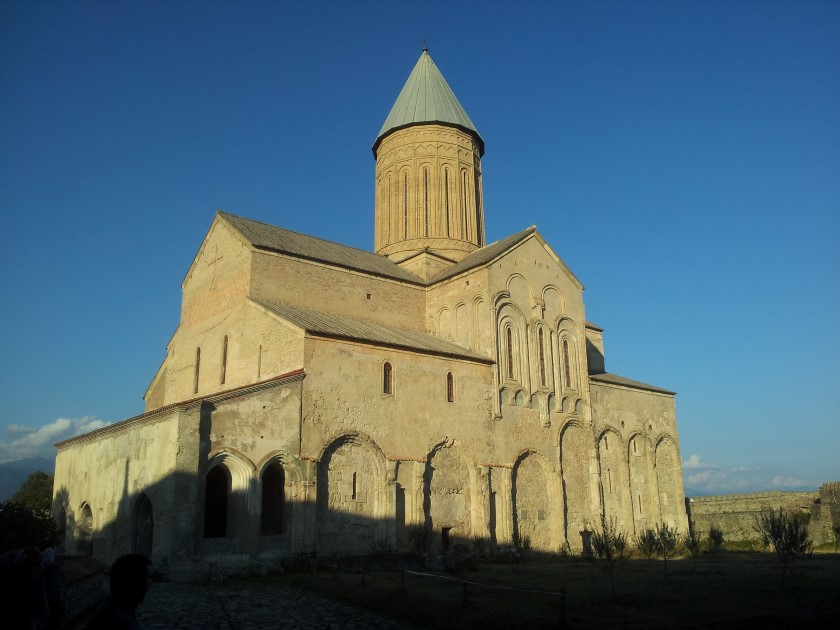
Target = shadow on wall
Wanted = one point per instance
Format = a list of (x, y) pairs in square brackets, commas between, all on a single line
[(196, 530)]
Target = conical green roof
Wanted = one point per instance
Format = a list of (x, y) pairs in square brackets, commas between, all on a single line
[(427, 98)]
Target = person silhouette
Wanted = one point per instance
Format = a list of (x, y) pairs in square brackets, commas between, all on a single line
[(130, 578)]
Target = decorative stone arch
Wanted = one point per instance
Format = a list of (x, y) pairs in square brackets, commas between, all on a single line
[(354, 502), (643, 496), (568, 357), (84, 530), (227, 483), (577, 460), (278, 476), (553, 301), (536, 513), (448, 482), (142, 525), (520, 398), (511, 348), (614, 478), (543, 356), (464, 325), (446, 322), (666, 462)]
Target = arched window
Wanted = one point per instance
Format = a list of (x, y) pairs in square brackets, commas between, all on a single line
[(466, 226), (509, 351), (273, 500), (446, 197), (387, 379), (216, 488), (426, 199), (567, 367), (541, 350), (224, 360), (390, 218), (84, 542), (197, 369), (450, 387), (405, 204)]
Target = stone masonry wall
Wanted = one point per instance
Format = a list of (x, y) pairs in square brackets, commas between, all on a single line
[(735, 513)]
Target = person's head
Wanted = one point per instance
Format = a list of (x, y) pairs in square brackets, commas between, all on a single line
[(130, 579)]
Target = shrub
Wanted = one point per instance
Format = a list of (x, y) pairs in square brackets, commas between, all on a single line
[(647, 542), (609, 545), (420, 537)]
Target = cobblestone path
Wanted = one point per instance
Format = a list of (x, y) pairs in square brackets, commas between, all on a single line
[(214, 606)]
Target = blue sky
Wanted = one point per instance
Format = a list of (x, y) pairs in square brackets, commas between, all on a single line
[(683, 158)]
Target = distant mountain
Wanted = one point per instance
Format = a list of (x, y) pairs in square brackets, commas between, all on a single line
[(12, 474)]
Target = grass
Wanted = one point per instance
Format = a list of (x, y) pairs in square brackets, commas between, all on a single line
[(727, 590)]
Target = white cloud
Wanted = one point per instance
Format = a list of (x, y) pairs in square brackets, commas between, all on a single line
[(703, 478), (788, 482), (39, 442), (695, 462)]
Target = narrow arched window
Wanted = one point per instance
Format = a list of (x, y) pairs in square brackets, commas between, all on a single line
[(387, 379), (405, 205), (197, 369), (509, 343), (426, 199), (567, 376), (541, 350), (465, 227), (450, 387), (479, 233), (390, 217), (446, 197), (224, 360), (216, 486), (273, 500)]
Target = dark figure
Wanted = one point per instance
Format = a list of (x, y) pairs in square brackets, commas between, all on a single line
[(130, 579)]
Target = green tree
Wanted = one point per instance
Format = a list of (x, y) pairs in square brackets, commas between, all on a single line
[(787, 533), (609, 545), (36, 493), (693, 542), (23, 527), (669, 542)]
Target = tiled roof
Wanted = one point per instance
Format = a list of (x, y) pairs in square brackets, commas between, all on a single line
[(615, 379), (482, 256), (269, 237), (344, 327), (427, 98)]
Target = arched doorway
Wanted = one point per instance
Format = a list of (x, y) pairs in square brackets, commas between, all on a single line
[(216, 491)]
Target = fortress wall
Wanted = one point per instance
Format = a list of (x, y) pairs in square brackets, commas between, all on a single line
[(735, 513)]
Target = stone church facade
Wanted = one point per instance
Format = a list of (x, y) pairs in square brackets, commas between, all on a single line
[(317, 398)]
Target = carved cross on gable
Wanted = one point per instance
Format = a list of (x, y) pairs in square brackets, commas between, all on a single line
[(212, 263)]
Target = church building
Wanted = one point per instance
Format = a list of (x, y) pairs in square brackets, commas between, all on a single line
[(318, 398)]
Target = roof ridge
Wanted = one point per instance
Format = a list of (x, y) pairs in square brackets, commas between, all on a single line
[(317, 238)]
